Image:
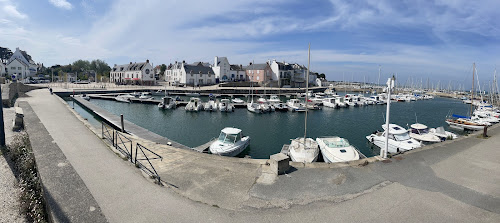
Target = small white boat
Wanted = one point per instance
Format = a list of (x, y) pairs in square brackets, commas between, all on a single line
[(194, 104), (124, 98), (230, 142), (295, 105), (420, 132), (274, 99), (303, 152), (167, 103), (442, 134), (335, 149), (85, 97), (146, 96), (237, 101), (210, 105), (253, 107), (399, 140), (280, 106), (225, 105), (330, 102)]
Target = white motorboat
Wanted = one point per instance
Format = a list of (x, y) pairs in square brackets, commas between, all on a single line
[(194, 104), (210, 105), (85, 97), (225, 106), (303, 152), (253, 107), (264, 105), (230, 142), (340, 101), (124, 98), (442, 134), (335, 149), (274, 99), (280, 106), (167, 103), (350, 101), (295, 105), (146, 96), (318, 98), (420, 132), (330, 102), (237, 101), (399, 140)]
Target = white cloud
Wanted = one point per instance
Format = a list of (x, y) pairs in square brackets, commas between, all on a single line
[(11, 11), (63, 4)]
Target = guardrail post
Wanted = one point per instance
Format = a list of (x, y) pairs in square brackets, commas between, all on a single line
[(102, 130), (113, 142), (136, 145), (123, 126), (131, 146)]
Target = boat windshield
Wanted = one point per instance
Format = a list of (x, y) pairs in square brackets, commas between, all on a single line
[(420, 131), (228, 138), (402, 137), (336, 143)]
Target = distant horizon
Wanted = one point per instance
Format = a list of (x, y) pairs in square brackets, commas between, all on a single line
[(349, 40)]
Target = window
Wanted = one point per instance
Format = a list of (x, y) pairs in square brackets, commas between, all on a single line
[(19, 68), (258, 71), (13, 68)]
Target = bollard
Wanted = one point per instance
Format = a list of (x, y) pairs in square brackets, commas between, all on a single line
[(123, 126), (485, 131)]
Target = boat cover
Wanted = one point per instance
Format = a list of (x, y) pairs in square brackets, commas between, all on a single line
[(460, 116)]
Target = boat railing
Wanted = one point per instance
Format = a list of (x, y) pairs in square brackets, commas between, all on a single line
[(149, 169)]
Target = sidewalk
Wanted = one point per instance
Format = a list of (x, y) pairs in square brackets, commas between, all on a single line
[(444, 184)]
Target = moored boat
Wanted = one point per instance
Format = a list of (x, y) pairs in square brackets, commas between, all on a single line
[(335, 149), (231, 142)]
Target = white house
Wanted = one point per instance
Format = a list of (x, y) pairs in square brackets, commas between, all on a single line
[(237, 73), (222, 69), (18, 70), (197, 74), (133, 73), (19, 66)]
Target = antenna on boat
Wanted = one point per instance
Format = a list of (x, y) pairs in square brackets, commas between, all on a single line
[(472, 91), (307, 89)]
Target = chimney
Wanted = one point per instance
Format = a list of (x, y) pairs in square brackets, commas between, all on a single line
[(215, 61)]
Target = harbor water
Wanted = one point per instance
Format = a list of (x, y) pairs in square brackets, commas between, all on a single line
[(270, 131)]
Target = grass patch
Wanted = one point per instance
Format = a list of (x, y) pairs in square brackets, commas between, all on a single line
[(32, 202)]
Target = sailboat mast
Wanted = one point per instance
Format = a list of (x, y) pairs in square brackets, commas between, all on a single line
[(472, 92), (307, 89)]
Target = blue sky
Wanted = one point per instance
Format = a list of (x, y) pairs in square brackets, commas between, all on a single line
[(416, 39)]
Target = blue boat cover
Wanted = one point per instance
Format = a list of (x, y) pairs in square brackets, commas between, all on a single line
[(460, 116)]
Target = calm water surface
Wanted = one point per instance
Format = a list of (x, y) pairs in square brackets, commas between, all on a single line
[(269, 132)]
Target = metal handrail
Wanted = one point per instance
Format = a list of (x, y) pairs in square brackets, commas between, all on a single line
[(107, 132), (122, 141), (151, 172)]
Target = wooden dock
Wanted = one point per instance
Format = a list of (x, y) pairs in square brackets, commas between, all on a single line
[(130, 127), (204, 147)]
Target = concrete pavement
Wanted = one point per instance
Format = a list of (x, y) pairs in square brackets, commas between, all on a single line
[(443, 184)]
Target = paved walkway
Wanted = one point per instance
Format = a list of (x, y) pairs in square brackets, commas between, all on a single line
[(444, 184)]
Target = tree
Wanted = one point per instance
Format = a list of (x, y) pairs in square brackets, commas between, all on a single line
[(100, 67), (81, 65), (322, 75), (5, 53), (163, 69)]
